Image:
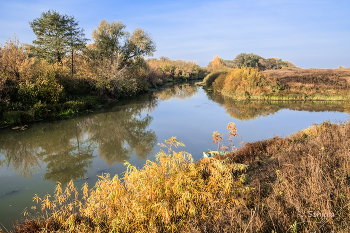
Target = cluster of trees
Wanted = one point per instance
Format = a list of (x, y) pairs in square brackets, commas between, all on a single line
[(164, 69), (249, 60), (60, 66)]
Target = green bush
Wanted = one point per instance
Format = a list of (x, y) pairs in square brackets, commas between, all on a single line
[(18, 117), (40, 110), (3, 108), (44, 89)]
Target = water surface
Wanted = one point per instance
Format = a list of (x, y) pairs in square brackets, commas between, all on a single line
[(84, 147)]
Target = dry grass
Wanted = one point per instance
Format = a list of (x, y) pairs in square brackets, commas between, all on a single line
[(309, 81), (302, 183), (285, 84)]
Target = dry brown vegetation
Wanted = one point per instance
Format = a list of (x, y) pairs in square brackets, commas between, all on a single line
[(302, 183), (287, 84), (310, 81)]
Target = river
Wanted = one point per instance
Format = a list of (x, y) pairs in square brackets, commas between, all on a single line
[(83, 147)]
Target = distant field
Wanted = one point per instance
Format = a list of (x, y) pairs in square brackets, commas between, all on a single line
[(313, 78)]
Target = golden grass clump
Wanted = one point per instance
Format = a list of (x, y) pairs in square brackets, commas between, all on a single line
[(241, 83), (163, 196), (210, 78)]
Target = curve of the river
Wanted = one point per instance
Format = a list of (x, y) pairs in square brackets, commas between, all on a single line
[(83, 147)]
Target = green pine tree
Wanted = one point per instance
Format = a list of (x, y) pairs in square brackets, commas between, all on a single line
[(57, 35)]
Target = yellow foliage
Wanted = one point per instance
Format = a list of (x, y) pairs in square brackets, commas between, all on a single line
[(241, 83), (162, 196), (216, 63), (245, 79)]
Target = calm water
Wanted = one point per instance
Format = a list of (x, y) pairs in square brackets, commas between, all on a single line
[(84, 147)]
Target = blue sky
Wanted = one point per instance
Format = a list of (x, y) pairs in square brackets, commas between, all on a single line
[(309, 33)]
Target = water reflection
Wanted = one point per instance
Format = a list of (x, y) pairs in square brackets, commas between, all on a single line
[(69, 164), (67, 146), (249, 110), (21, 153), (181, 92)]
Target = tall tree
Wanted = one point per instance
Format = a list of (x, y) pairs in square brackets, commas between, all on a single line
[(76, 38), (107, 37), (112, 41), (56, 36)]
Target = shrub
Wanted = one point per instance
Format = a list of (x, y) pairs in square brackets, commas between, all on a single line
[(18, 117), (45, 89), (219, 83), (239, 83), (242, 80), (210, 78), (40, 84), (40, 110), (162, 196)]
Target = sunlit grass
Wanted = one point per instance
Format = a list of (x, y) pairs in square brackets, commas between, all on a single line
[(250, 84)]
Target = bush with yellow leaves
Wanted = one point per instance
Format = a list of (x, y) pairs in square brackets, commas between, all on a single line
[(162, 196)]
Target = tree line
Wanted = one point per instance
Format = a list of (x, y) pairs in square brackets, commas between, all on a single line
[(60, 73), (243, 60)]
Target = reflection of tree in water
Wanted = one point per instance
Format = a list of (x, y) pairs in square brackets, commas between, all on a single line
[(67, 146), (20, 153), (140, 140), (248, 110), (181, 92), (118, 139), (69, 164)]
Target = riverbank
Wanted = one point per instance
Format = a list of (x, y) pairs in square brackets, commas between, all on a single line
[(288, 85), (33, 88), (296, 183), (19, 114)]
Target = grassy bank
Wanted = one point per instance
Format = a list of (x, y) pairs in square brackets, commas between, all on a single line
[(300, 183), (291, 85)]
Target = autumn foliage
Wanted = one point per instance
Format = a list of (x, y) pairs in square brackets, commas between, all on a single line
[(162, 70), (40, 88), (168, 195)]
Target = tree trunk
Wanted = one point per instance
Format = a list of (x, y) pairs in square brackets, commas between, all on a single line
[(72, 62)]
